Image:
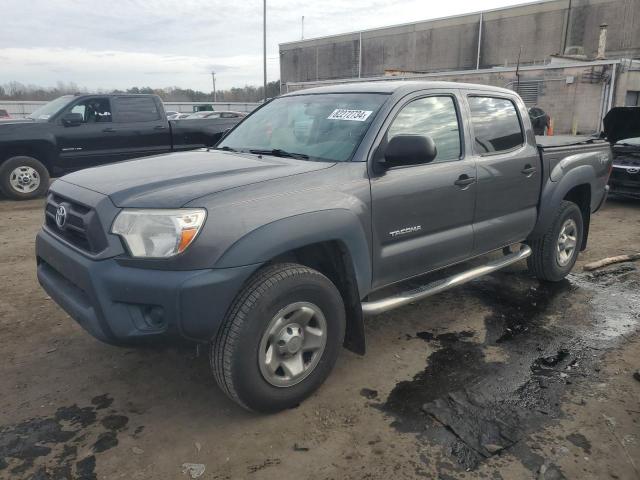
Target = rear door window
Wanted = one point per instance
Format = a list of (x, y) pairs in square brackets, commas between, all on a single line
[(496, 125), (136, 109)]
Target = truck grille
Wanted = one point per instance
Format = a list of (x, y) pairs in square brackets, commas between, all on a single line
[(627, 159), (82, 227)]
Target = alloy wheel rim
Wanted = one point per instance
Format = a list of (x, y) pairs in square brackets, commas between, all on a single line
[(24, 179), (567, 242), (292, 344)]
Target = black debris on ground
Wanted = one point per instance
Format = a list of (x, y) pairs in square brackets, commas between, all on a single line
[(47, 447), (476, 408), (369, 393)]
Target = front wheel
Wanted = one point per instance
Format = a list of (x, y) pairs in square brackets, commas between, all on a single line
[(280, 339), (23, 178), (555, 253)]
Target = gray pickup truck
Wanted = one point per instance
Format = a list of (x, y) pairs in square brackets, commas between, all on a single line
[(309, 215)]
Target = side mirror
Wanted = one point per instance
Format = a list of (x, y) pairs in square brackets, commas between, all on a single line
[(72, 119), (409, 150)]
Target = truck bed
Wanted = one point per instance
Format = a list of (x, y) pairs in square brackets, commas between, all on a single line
[(545, 142), (573, 152)]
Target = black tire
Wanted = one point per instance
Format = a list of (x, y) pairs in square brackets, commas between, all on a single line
[(22, 161), (234, 352), (544, 262)]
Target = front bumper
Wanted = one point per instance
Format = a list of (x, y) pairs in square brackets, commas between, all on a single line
[(119, 304), (625, 181)]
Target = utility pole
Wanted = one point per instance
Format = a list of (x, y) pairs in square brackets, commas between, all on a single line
[(213, 77), (264, 44), (518, 72), (302, 34)]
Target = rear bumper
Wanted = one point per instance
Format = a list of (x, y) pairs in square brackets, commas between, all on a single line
[(119, 305)]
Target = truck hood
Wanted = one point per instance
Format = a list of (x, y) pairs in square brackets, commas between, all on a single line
[(621, 123), (172, 180), (7, 127), (12, 121)]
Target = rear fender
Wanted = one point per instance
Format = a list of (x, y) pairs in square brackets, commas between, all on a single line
[(555, 191)]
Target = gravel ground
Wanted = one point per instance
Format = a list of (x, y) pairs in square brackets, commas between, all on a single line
[(504, 378)]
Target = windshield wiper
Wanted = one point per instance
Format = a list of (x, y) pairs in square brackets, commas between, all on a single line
[(277, 152), (226, 149)]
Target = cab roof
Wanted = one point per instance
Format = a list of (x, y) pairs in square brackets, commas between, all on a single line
[(395, 86)]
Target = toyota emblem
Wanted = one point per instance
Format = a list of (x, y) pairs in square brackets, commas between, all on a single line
[(633, 170), (61, 216)]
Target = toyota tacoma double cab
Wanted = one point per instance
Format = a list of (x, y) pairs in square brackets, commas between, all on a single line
[(79, 131), (311, 214)]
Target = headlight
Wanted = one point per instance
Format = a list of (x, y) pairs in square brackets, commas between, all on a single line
[(158, 233)]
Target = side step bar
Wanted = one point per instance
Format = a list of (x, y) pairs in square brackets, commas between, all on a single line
[(389, 303)]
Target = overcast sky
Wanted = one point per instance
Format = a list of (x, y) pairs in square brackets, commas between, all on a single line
[(162, 43)]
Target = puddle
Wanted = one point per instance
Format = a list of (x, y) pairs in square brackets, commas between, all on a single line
[(549, 332), (49, 446)]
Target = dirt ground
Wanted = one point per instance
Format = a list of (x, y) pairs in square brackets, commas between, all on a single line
[(504, 378)]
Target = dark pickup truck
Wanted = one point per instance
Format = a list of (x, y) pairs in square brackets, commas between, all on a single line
[(80, 131), (622, 129), (309, 215)]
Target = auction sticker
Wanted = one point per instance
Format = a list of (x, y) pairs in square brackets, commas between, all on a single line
[(353, 115)]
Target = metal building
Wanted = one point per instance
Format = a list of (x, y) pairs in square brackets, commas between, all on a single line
[(571, 57), (471, 41)]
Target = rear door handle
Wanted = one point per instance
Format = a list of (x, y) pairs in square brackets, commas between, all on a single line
[(108, 130), (159, 127), (528, 170), (464, 180)]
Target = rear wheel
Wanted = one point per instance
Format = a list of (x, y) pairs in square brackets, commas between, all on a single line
[(23, 177), (555, 253), (280, 339)]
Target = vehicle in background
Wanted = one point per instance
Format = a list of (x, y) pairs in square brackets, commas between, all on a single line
[(4, 115), (171, 113), (218, 114), (623, 125), (178, 116), (79, 131), (272, 247), (203, 108)]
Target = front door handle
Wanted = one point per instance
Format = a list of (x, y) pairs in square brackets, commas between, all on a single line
[(464, 180), (159, 127), (108, 130), (528, 170)]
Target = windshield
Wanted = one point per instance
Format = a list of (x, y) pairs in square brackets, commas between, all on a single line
[(45, 112), (322, 127)]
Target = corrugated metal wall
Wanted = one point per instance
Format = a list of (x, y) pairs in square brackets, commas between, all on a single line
[(541, 29)]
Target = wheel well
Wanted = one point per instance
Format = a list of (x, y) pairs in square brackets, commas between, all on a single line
[(581, 196), (332, 259), (36, 151)]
